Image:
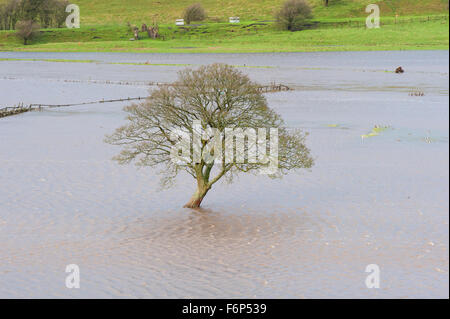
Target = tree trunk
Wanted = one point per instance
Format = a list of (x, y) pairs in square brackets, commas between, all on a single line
[(197, 198)]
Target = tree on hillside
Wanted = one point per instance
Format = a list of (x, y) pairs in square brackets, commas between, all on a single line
[(194, 12), (293, 15), (10, 14), (27, 30), (59, 12), (49, 13), (216, 103)]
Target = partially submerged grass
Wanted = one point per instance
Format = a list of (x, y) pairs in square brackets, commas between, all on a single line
[(338, 126), (151, 64), (50, 60), (375, 131), (125, 63)]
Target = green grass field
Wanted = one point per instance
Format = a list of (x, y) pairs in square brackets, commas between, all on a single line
[(340, 27), (95, 12)]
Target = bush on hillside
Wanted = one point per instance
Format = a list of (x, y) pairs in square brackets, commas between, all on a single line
[(27, 30), (293, 15), (194, 12)]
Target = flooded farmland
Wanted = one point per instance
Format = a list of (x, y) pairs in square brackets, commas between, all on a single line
[(373, 197)]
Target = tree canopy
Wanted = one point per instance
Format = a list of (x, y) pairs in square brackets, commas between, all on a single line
[(214, 102)]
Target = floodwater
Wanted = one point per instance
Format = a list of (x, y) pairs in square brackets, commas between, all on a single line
[(378, 200)]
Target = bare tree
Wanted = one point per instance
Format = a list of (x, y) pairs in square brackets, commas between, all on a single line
[(3, 17), (59, 12), (50, 13), (216, 96), (11, 13), (27, 30), (194, 12), (293, 15)]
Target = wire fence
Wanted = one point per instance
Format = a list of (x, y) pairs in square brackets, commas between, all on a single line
[(383, 21), (22, 108)]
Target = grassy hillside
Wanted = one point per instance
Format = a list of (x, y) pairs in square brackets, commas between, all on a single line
[(339, 27), (95, 12), (221, 37), (166, 11)]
